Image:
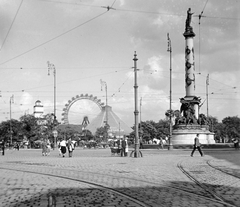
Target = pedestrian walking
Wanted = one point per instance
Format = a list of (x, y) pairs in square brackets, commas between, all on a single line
[(126, 149), (70, 146), (124, 144), (161, 143), (63, 147), (236, 144), (197, 145), (3, 147), (59, 148), (17, 146)]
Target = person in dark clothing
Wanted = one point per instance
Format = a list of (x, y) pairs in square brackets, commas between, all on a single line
[(3, 147), (236, 144), (70, 146), (197, 145), (124, 144)]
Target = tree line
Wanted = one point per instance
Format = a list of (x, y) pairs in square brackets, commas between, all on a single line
[(29, 128)]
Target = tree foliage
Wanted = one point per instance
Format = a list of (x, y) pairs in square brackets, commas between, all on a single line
[(100, 134), (10, 130), (231, 127)]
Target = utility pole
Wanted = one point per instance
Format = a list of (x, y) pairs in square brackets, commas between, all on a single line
[(10, 123), (136, 152), (140, 124), (207, 83), (103, 83), (52, 67), (170, 146), (119, 130)]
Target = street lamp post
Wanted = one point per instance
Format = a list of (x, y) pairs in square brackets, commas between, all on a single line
[(103, 83), (52, 67), (136, 152), (207, 83), (170, 146), (10, 123)]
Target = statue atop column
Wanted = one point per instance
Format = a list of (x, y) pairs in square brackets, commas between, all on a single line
[(189, 18), (188, 121), (188, 28)]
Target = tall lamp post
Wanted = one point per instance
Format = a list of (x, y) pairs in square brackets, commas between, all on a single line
[(140, 124), (52, 67), (207, 83), (104, 84), (10, 123), (136, 152), (170, 146)]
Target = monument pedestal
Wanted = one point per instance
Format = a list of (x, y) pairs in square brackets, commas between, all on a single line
[(185, 134)]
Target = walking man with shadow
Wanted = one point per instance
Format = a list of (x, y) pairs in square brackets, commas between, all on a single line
[(197, 145)]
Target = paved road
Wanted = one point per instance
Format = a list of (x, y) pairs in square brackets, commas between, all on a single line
[(97, 178)]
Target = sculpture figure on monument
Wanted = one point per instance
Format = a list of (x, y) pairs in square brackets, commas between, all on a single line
[(179, 118), (189, 113), (189, 18)]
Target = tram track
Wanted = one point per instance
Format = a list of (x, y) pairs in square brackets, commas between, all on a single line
[(213, 198), (221, 170), (194, 176), (51, 201)]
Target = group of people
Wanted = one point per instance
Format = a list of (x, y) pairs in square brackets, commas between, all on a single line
[(122, 145), (64, 145)]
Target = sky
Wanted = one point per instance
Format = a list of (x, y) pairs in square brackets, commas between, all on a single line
[(87, 43)]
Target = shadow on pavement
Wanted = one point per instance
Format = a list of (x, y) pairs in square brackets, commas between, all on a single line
[(172, 194)]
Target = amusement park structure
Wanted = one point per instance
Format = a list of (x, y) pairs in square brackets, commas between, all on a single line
[(117, 127)]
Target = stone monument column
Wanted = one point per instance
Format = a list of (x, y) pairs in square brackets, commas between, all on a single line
[(188, 122), (189, 63)]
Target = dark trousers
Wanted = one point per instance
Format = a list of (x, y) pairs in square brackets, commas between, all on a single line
[(123, 152), (199, 149)]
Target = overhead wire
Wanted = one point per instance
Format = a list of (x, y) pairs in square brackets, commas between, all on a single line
[(76, 79), (199, 17), (54, 38), (11, 25), (44, 43), (119, 89), (60, 2)]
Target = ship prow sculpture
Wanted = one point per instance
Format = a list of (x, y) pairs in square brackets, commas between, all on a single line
[(188, 121)]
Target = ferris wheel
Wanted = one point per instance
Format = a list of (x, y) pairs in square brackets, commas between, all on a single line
[(77, 98)]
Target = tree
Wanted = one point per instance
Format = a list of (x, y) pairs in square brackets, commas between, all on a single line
[(232, 127), (100, 133), (212, 122), (219, 132), (163, 128), (30, 127), (10, 129), (151, 129)]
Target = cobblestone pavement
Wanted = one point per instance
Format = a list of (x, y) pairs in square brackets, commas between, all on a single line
[(97, 178)]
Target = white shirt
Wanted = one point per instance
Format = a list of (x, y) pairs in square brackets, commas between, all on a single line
[(63, 143)]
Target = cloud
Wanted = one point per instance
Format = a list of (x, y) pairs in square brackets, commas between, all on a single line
[(26, 99), (155, 73)]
